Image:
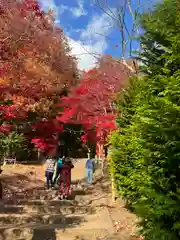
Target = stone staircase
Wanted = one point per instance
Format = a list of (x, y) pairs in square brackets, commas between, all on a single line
[(43, 217)]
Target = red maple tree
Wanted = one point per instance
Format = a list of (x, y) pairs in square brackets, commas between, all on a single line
[(92, 102), (34, 54), (46, 133), (35, 63)]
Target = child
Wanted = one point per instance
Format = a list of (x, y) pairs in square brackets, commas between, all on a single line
[(50, 164)]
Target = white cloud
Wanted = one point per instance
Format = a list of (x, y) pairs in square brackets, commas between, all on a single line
[(92, 42), (79, 11), (98, 28), (48, 4), (62, 9), (87, 55)]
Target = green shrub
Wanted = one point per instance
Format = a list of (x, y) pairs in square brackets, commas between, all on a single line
[(126, 164), (158, 125), (146, 155)]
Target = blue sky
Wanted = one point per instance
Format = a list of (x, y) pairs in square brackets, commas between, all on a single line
[(90, 30)]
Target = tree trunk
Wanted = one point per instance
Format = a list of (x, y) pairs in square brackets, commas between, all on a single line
[(40, 157), (39, 154)]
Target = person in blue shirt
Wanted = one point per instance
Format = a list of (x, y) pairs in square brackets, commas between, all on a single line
[(89, 170)]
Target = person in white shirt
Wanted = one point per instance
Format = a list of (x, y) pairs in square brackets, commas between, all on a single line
[(50, 167)]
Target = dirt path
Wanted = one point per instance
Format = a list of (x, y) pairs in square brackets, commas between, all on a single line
[(89, 216)]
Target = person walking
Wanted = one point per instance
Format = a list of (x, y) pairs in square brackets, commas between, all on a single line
[(65, 179), (50, 167), (58, 169), (89, 170)]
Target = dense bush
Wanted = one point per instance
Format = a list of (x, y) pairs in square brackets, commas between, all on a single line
[(126, 164), (146, 155)]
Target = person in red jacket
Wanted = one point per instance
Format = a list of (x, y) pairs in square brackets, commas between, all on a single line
[(65, 178)]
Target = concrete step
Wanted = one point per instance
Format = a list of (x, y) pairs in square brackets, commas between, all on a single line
[(46, 209)]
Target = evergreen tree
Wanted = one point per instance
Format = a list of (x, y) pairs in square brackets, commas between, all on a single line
[(125, 166), (146, 158)]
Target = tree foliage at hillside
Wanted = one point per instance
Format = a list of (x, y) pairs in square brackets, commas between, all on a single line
[(91, 104), (35, 65), (145, 159), (35, 57)]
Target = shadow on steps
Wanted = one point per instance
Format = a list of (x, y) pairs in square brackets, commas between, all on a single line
[(44, 234), (10, 209), (39, 231)]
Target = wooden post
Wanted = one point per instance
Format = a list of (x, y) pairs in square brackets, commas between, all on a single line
[(113, 188)]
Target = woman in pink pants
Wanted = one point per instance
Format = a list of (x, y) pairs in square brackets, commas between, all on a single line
[(65, 179)]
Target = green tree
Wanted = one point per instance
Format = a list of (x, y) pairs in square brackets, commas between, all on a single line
[(126, 165), (146, 151), (10, 144)]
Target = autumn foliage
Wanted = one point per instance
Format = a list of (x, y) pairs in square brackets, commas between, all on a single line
[(91, 103), (35, 63), (47, 132), (35, 60)]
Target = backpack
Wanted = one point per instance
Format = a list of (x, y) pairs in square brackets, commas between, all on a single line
[(59, 163)]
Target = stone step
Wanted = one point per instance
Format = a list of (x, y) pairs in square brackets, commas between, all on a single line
[(22, 219), (42, 195), (53, 202), (46, 209), (96, 219), (70, 227), (59, 209), (21, 196), (52, 232)]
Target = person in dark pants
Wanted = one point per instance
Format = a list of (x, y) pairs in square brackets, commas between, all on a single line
[(65, 179), (50, 164)]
